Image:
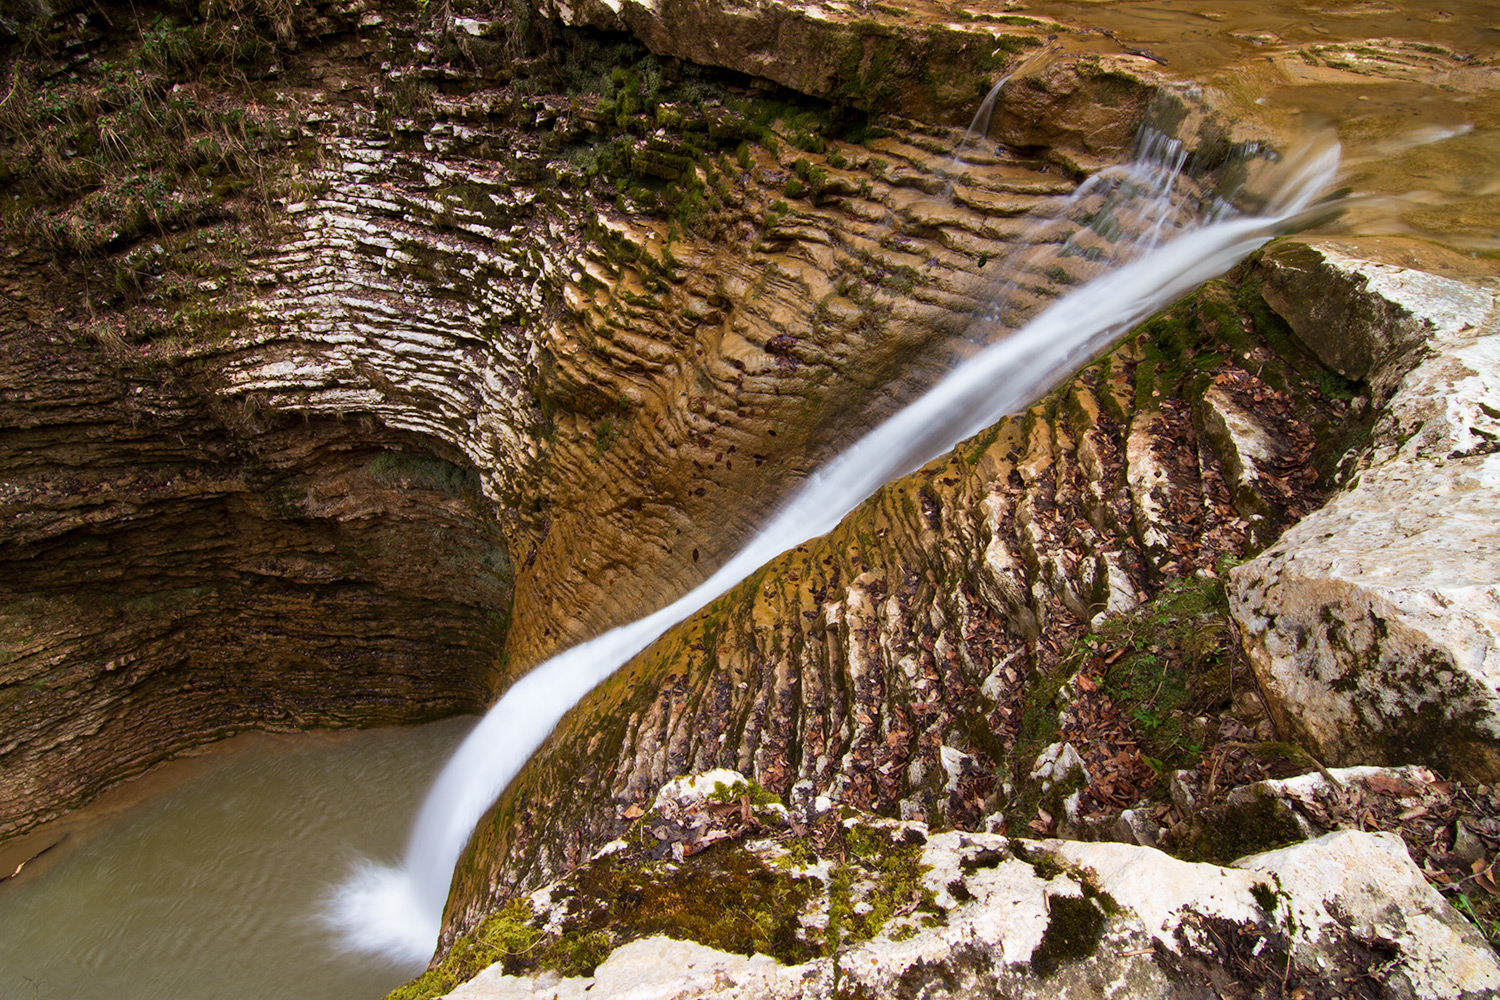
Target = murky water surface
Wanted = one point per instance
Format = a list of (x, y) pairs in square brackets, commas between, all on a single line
[(205, 879), (1409, 87), (1195, 37)]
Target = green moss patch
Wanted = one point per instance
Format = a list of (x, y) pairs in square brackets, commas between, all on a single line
[(1176, 659), (727, 898), (163, 126), (1249, 825), (508, 936), (736, 896), (1074, 925), (880, 876), (1150, 672)]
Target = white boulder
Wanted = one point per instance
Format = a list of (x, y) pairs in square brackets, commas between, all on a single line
[(1373, 625)]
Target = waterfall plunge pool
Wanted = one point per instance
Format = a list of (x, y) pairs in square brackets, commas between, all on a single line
[(207, 877)]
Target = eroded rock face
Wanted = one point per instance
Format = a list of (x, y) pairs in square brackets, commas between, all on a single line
[(894, 910), (462, 375), (1374, 624), (170, 576), (583, 328), (916, 660)]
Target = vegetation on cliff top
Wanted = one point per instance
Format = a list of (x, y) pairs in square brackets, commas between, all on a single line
[(129, 122)]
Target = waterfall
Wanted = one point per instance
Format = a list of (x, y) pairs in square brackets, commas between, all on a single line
[(397, 912)]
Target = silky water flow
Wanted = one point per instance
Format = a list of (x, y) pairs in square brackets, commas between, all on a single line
[(1159, 244)]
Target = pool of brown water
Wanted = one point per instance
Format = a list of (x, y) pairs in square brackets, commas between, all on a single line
[(206, 879), (1412, 90)]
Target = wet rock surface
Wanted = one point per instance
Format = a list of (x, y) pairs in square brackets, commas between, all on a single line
[(941, 707), (450, 376)]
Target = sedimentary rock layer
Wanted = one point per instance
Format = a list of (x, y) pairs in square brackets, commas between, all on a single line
[(418, 328)]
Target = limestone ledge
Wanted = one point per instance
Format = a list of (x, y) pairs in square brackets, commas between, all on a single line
[(1373, 625), (1071, 99), (987, 915), (917, 57)]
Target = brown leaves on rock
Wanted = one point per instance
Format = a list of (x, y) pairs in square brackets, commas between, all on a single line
[(1452, 831), (1237, 961), (703, 827), (1108, 743), (1292, 471)]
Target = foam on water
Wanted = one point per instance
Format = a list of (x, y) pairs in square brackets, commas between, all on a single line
[(397, 912)]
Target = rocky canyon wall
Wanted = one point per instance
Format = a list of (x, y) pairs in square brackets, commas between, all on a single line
[(356, 356), (339, 332), (1034, 633)]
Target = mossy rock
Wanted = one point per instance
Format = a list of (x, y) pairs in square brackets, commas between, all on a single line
[(1251, 821)]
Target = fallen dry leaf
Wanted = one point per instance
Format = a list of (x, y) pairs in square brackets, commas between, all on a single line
[(1385, 784)]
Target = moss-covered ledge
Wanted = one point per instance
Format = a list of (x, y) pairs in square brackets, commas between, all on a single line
[(720, 890)]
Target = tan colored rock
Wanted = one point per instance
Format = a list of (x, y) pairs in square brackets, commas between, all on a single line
[(918, 58), (1358, 315), (447, 389), (919, 623)]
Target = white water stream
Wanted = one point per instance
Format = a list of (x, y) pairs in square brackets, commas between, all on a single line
[(397, 911)]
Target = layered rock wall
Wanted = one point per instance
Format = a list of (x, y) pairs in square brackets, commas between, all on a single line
[(357, 360), (428, 326)]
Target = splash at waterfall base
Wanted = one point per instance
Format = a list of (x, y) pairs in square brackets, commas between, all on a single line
[(1152, 250), (1251, 485), (873, 629)]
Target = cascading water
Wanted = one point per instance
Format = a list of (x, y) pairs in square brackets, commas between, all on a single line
[(397, 912)]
